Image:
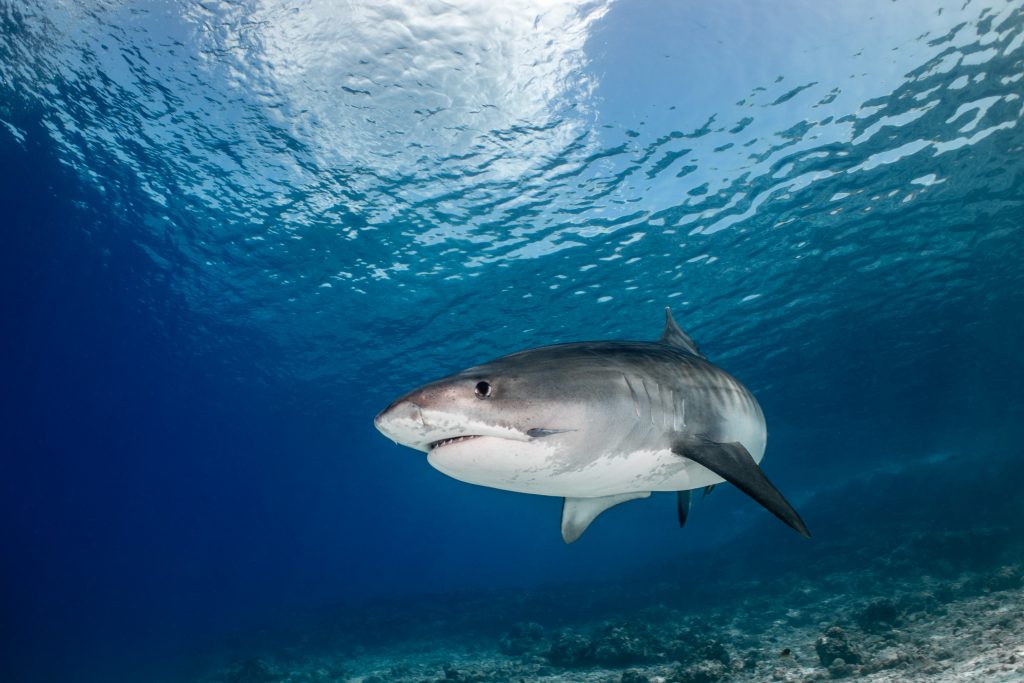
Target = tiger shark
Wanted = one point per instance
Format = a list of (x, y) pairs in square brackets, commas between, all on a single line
[(595, 423)]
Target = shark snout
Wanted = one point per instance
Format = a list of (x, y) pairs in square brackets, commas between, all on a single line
[(401, 411), (403, 423)]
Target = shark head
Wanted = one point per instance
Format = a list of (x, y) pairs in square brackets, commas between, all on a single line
[(504, 424)]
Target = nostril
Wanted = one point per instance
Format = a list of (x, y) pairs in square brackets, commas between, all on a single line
[(401, 410)]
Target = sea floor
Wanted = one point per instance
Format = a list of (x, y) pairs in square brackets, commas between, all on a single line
[(899, 584), (884, 621)]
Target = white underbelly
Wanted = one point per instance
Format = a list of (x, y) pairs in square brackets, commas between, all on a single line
[(636, 471), (542, 468)]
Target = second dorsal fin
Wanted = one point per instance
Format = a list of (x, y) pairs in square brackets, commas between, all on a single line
[(673, 335)]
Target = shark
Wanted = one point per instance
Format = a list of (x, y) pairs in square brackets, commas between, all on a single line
[(595, 423)]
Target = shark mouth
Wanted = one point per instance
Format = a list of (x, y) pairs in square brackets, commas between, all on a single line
[(454, 439), (535, 433)]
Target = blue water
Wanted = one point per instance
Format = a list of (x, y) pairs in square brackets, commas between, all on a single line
[(233, 232)]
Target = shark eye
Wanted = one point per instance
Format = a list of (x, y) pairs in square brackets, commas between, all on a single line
[(483, 389)]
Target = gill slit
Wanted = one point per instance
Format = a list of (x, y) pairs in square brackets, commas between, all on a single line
[(632, 392), (650, 401)]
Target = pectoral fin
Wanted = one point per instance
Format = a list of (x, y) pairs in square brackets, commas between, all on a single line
[(732, 462), (578, 513)]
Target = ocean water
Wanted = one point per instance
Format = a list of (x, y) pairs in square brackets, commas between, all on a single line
[(232, 232)]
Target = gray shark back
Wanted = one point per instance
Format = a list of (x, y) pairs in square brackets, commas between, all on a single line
[(667, 391)]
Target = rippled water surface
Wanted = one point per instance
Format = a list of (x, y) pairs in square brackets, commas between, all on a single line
[(327, 203), (473, 174)]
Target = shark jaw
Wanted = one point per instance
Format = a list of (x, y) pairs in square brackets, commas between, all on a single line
[(508, 464), (426, 430), (451, 440), (535, 433), (472, 450)]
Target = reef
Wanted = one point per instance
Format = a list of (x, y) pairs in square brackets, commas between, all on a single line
[(965, 626), (867, 600)]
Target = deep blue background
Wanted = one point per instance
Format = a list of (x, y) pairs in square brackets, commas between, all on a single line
[(151, 504), (187, 455)]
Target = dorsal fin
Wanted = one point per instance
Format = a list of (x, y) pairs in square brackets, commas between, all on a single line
[(674, 335)]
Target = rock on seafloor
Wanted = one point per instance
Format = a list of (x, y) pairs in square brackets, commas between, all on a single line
[(965, 628)]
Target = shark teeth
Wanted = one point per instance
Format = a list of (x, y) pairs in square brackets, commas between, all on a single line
[(454, 439)]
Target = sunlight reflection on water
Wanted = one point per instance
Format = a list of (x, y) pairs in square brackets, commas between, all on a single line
[(306, 163)]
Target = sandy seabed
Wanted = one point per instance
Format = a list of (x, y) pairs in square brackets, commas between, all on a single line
[(867, 625), (897, 585)]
